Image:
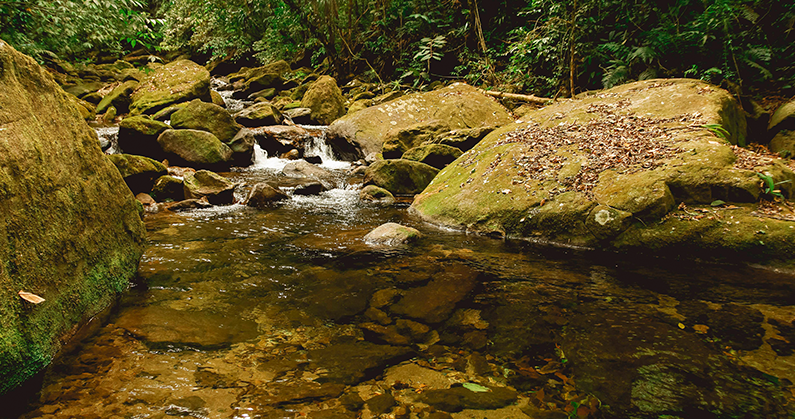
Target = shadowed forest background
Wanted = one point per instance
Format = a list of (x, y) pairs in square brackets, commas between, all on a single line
[(545, 47)]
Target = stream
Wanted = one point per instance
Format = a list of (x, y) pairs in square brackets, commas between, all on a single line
[(286, 312)]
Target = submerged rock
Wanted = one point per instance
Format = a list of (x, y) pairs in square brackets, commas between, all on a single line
[(458, 106), (376, 194), (262, 195), (70, 230), (612, 169), (194, 148), (352, 363), (204, 183)]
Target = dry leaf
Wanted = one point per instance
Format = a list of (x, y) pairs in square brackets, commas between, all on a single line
[(701, 328), (30, 297)]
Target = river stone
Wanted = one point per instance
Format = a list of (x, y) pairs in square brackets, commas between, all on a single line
[(206, 117), (138, 135), (279, 139), (119, 98), (380, 404), (404, 177), (217, 99), (325, 100), (178, 81), (416, 376), (139, 172), (456, 399), (457, 106), (302, 169), (168, 187), (165, 114), (259, 114), (376, 194), (299, 115), (784, 143), (83, 88), (435, 302), (782, 119), (487, 189), (309, 188), (436, 155), (204, 183), (194, 148), (392, 234), (263, 195), (259, 82), (353, 362), (242, 146), (70, 230)]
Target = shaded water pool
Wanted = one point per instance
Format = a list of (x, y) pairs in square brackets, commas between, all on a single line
[(286, 313)]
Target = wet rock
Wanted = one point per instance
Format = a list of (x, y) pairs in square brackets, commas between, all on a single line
[(380, 404), (301, 116), (119, 98), (302, 169), (385, 334), (784, 346), (456, 399), (392, 234), (352, 363), (208, 117), (194, 148), (384, 297), (242, 146), (206, 184), (259, 114), (435, 302), (279, 139), (311, 188), (436, 155), (139, 172), (458, 106), (145, 199), (165, 114), (332, 414), (168, 187), (783, 143), (217, 99), (138, 135), (259, 82), (266, 94), (313, 159), (263, 195), (352, 401), (292, 393), (404, 177), (376, 194), (416, 376), (187, 204), (735, 325), (291, 155), (377, 316), (605, 222), (178, 81), (325, 100), (160, 327)]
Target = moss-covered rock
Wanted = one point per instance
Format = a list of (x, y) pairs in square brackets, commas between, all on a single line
[(69, 227), (178, 81), (400, 176), (205, 184), (242, 146), (374, 193), (325, 100), (206, 117), (119, 98), (168, 187), (258, 115), (217, 99), (194, 148), (392, 234), (458, 106), (782, 119), (620, 169), (139, 172), (138, 135), (436, 155), (783, 143)]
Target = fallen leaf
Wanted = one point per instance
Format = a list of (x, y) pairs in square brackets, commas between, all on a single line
[(30, 297), (701, 328), (477, 388)]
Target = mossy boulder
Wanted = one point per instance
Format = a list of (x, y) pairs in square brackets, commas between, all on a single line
[(119, 98), (258, 115), (783, 143), (436, 155), (194, 148), (374, 193), (139, 172), (168, 187), (392, 234), (178, 81), (457, 106), (138, 135), (217, 99), (782, 119), (205, 184), (325, 100), (400, 177), (83, 88), (623, 169), (70, 231), (206, 117)]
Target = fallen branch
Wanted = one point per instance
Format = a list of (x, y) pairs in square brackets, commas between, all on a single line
[(516, 96)]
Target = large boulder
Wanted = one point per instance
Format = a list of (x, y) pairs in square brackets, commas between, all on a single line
[(178, 81), (242, 146), (263, 195), (642, 167), (70, 230), (139, 172), (457, 106), (119, 98), (401, 177), (194, 148), (325, 100), (206, 184), (258, 115), (206, 117), (436, 155), (138, 135)]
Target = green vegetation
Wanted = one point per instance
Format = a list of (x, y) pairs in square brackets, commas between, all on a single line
[(546, 47)]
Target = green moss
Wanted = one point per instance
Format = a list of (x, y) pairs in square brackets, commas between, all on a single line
[(179, 81)]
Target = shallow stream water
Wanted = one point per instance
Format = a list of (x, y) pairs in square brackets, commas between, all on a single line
[(286, 312)]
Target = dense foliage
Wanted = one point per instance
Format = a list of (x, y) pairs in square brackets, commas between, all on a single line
[(547, 47)]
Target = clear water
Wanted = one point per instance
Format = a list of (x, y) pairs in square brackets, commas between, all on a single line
[(286, 312)]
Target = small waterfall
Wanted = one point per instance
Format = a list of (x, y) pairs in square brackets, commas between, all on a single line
[(108, 139), (232, 105), (317, 146), (263, 162)]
